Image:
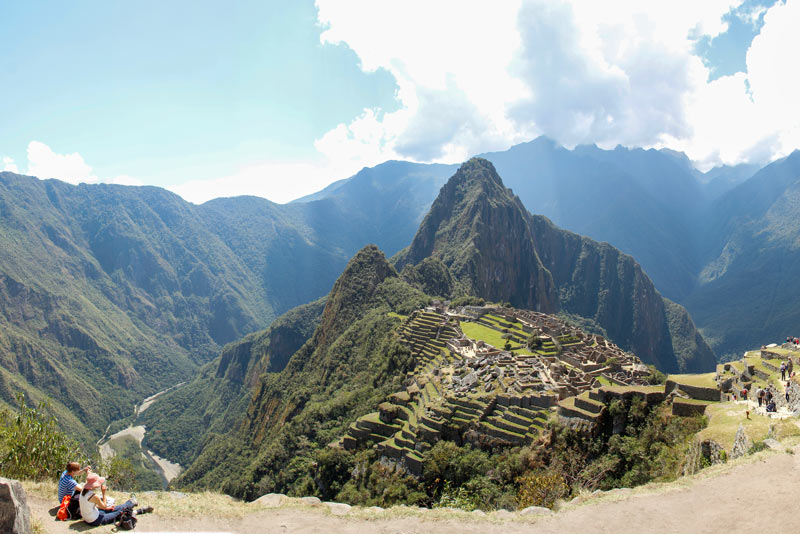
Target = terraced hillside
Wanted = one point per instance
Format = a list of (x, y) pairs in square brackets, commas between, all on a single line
[(492, 377)]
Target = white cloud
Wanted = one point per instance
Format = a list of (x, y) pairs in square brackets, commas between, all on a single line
[(475, 77), (278, 181), (450, 61), (9, 165), (44, 163)]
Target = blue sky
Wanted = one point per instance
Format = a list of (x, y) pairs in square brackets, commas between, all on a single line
[(280, 98), (159, 89)]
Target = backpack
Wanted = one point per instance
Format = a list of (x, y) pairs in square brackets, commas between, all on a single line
[(126, 520), (63, 509)]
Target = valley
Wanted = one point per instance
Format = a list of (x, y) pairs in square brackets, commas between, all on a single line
[(127, 444), (495, 336)]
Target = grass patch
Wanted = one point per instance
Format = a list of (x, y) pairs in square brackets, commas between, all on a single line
[(724, 419), (603, 381), (397, 316), (483, 333)]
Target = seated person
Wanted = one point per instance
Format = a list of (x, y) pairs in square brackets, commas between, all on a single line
[(67, 485), (96, 509), (771, 407)]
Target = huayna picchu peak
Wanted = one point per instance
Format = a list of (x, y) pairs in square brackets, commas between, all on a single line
[(495, 249)]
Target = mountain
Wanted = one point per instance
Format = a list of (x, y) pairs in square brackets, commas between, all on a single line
[(351, 361), (494, 248), (109, 293), (644, 202), (113, 292), (271, 403), (747, 290), (720, 180)]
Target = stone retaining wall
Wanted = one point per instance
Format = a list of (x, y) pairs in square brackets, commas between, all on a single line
[(685, 409), (695, 392)]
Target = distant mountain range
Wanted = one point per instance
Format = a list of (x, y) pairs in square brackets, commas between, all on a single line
[(721, 242), (119, 291)]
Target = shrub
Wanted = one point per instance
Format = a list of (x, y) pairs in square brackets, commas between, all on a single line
[(541, 488), (758, 446), (119, 473), (462, 498), (31, 446)]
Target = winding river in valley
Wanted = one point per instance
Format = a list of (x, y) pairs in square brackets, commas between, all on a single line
[(167, 470)]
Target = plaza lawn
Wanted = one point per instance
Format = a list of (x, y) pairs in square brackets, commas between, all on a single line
[(492, 337)]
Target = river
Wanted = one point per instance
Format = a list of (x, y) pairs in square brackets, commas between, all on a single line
[(167, 470)]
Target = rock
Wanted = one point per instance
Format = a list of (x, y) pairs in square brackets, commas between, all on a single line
[(15, 516), (311, 500), (338, 508), (271, 499), (702, 454), (478, 513), (377, 509), (773, 444), (741, 443), (177, 495), (535, 510)]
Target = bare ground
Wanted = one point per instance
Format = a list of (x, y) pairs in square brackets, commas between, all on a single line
[(755, 493)]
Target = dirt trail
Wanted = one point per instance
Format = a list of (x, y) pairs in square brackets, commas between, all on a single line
[(758, 494)]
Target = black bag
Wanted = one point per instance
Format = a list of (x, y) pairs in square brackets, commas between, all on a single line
[(74, 507), (126, 520)]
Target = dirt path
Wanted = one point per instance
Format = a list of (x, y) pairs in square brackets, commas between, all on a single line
[(758, 494)]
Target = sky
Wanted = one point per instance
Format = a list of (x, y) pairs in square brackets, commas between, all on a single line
[(279, 99)]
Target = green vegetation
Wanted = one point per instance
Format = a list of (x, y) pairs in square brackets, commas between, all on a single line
[(31, 445), (724, 420), (129, 469)]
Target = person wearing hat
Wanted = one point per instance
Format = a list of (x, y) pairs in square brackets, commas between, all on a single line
[(96, 510)]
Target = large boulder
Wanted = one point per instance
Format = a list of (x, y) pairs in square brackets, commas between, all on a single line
[(15, 516), (741, 443)]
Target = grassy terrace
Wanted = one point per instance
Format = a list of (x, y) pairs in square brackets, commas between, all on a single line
[(754, 358), (604, 381), (705, 380), (724, 419)]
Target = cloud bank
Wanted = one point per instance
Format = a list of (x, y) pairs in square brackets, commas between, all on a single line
[(44, 163), (475, 77)]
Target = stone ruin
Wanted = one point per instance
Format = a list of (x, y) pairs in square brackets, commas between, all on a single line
[(470, 391)]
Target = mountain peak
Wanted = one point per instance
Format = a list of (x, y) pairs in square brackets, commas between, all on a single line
[(353, 291), (476, 171), (479, 230)]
